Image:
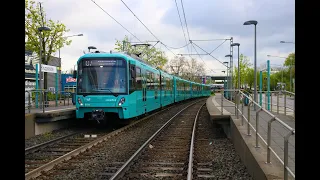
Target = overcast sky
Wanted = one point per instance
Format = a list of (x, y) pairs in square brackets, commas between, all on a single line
[(206, 19)]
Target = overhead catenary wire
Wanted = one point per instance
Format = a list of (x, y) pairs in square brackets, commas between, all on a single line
[(116, 21), (209, 54), (182, 25), (210, 39), (217, 46), (145, 25), (197, 53)]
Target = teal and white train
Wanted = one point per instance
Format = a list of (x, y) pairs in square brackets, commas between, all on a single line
[(123, 85)]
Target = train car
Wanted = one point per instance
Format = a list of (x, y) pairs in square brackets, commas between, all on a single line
[(167, 88), (125, 86), (179, 89)]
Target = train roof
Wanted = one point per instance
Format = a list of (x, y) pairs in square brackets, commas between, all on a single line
[(115, 54), (131, 57)]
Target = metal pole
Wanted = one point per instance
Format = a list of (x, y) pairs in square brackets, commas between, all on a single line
[(257, 128), (238, 102), (238, 94), (260, 102), (222, 103), (227, 93), (268, 83), (43, 103), (56, 90), (285, 103), (242, 114), (248, 128), (238, 68), (290, 77), (269, 139), (278, 94), (255, 65), (37, 85), (40, 73), (231, 68), (286, 141), (271, 101)]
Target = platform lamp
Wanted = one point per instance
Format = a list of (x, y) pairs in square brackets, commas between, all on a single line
[(254, 22), (231, 75), (91, 47)]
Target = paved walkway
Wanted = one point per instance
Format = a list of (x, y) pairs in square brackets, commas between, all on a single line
[(278, 130), (273, 101)]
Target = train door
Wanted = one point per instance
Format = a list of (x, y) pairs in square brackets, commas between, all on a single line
[(157, 90), (144, 90), (140, 91)]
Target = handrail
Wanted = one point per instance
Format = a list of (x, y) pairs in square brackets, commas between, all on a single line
[(256, 129)]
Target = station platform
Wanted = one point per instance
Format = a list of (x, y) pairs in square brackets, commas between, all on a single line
[(50, 109), (51, 114), (278, 131), (39, 122)]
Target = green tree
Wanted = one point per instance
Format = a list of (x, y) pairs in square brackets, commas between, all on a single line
[(51, 40), (244, 72), (152, 55), (290, 62)]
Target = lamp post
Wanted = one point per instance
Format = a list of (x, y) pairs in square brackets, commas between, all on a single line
[(287, 42), (254, 22), (237, 100), (230, 74), (40, 29), (237, 44), (91, 47), (68, 37), (224, 81), (227, 94)]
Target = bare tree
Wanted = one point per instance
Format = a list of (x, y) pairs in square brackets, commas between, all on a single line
[(176, 65), (193, 70)]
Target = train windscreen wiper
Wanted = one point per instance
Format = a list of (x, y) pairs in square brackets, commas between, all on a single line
[(103, 89)]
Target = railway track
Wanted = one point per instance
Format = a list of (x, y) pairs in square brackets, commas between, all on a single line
[(116, 150), (43, 156), (48, 143), (167, 154)]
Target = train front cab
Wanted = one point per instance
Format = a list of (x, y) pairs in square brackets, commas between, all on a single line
[(100, 95)]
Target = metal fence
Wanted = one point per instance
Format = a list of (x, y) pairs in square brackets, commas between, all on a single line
[(278, 102), (261, 115), (42, 99)]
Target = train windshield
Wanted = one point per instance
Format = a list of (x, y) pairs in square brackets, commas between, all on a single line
[(102, 76)]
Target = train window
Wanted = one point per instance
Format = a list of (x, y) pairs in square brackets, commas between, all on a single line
[(168, 84), (132, 81), (152, 86), (163, 83), (138, 79), (156, 82), (150, 80)]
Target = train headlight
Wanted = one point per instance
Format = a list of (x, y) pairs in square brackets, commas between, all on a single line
[(122, 100), (79, 101)]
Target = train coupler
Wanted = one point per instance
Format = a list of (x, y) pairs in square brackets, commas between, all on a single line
[(97, 115)]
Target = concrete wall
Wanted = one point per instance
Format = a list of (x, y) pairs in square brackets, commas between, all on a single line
[(254, 158), (29, 128)]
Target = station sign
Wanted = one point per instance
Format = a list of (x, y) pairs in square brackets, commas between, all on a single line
[(48, 68)]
